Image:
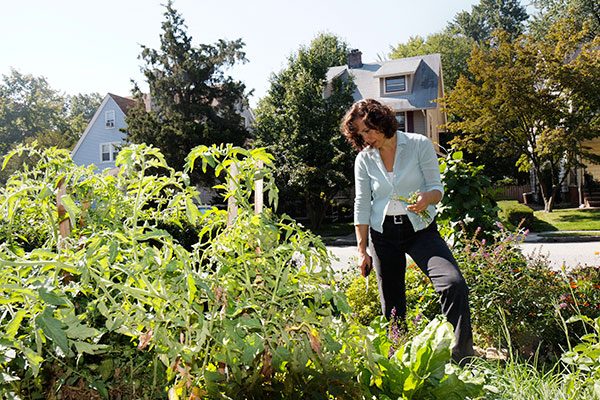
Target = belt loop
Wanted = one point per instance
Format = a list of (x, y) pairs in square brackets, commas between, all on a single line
[(398, 219)]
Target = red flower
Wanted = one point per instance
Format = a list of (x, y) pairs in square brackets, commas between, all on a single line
[(573, 285)]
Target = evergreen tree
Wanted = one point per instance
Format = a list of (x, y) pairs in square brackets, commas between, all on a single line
[(550, 11), (488, 16), (299, 121), (192, 100)]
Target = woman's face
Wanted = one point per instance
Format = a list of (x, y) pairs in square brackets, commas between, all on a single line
[(372, 137)]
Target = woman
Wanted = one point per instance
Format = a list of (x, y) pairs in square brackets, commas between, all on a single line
[(390, 168)]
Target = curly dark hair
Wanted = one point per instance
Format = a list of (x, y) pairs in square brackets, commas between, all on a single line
[(375, 116)]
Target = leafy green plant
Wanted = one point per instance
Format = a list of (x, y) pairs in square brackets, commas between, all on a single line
[(420, 368), (364, 300), (468, 204), (120, 308), (583, 360), (421, 300), (50, 323)]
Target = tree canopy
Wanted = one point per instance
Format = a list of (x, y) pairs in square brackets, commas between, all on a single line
[(30, 109), (299, 120), (550, 11), (536, 99), (488, 16), (193, 101)]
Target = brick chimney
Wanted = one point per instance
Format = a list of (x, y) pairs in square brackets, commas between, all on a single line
[(355, 59)]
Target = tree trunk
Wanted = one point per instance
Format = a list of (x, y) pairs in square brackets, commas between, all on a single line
[(316, 208), (548, 201)]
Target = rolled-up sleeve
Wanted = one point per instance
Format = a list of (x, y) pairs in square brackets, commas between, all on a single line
[(362, 188), (430, 166)]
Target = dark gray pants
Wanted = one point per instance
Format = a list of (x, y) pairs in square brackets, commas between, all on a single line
[(432, 255)]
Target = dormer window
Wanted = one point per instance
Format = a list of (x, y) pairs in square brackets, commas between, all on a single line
[(109, 119), (395, 84)]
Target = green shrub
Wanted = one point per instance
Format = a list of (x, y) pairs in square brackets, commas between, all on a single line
[(524, 293), (364, 302), (515, 214), (468, 204), (583, 359), (422, 302)]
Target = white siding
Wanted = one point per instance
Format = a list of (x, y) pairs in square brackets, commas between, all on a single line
[(87, 151)]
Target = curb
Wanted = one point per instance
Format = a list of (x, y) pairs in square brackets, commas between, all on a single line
[(553, 237), (537, 237)]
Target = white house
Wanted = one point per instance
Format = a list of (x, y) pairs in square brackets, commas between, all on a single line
[(99, 143)]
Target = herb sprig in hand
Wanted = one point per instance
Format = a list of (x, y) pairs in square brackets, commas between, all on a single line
[(412, 199)]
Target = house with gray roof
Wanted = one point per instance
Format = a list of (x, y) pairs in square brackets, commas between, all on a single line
[(410, 86)]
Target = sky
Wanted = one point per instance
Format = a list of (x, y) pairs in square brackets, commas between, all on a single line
[(81, 46)]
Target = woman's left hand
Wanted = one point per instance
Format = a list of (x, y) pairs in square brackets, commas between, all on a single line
[(422, 202)]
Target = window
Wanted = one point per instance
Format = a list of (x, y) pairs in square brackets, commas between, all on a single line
[(401, 118), (109, 151), (395, 84), (109, 119)]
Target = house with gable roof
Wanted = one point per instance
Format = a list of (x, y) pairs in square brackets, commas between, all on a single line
[(99, 143), (410, 86)]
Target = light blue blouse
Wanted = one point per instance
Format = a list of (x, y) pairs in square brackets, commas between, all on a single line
[(416, 169)]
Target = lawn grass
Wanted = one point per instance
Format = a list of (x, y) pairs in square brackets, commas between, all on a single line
[(570, 219), (561, 219)]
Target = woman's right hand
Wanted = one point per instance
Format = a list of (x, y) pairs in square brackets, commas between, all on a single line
[(366, 264)]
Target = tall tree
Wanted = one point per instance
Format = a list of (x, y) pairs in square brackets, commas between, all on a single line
[(192, 100), (79, 110), (538, 99), (550, 11), (28, 107), (299, 121), (32, 110), (488, 16)]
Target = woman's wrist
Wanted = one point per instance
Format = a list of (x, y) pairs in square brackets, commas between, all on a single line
[(432, 196)]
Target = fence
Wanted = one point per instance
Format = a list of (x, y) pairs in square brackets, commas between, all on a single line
[(512, 192)]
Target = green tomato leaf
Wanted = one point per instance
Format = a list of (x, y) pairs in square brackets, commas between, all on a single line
[(191, 285), (89, 348), (53, 330), (13, 326), (34, 360), (73, 210), (81, 332), (51, 298)]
